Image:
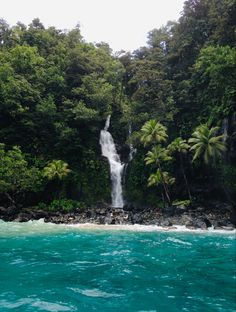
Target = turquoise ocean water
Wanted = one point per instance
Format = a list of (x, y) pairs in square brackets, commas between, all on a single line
[(47, 267)]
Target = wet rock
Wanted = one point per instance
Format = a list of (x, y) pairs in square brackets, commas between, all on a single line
[(137, 219), (23, 217), (200, 224), (220, 223), (102, 211), (90, 214), (104, 214), (166, 223), (207, 222), (227, 228), (169, 211), (233, 215), (12, 210), (186, 220), (3, 210), (118, 221), (200, 209), (180, 209), (39, 214), (154, 222), (101, 220), (108, 220), (190, 227)]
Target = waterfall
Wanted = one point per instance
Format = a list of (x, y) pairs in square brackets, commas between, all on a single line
[(132, 150), (225, 129), (116, 167)]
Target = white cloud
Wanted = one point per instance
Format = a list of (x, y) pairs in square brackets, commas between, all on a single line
[(124, 24)]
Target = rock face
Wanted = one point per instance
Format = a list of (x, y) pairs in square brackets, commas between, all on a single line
[(198, 217)]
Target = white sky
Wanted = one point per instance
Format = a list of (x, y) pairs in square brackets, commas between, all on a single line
[(123, 24)]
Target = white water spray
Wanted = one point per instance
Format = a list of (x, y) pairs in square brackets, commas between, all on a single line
[(116, 167), (132, 150), (225, 129)]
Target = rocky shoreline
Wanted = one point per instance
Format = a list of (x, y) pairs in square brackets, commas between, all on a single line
[(218, 217)]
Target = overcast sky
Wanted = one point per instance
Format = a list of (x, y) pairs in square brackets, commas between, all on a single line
[(123, 24)]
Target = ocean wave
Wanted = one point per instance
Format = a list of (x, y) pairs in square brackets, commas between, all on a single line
[(36, 303), (39, 226), (95, 293), (147, 228), (178, 241)]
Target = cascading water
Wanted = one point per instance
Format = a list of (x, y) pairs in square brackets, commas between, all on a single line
[(116, 167), (225, 129), (132, 150)]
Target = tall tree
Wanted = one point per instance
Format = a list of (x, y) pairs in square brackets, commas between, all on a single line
[(180, 147), (158, 178), (205, 144), (56, 169), (153, 132), (213, 83), (158, 156), (17, 177)]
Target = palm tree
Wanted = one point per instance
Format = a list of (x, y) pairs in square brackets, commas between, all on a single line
[(155, 178), (180, 147), (206, 144), (56, 169), (156, 156), (153, 132), (158, 177)]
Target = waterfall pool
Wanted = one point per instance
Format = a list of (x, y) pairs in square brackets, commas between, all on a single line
[(48, 267)]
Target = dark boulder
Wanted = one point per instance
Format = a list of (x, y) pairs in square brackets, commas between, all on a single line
[(233, 216), (23, 217), (12, 210), (207, 222), (166, 222), (200, 224), (186, 220), (137, 218), (129, 207)]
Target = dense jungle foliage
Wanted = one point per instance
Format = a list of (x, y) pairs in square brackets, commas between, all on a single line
[(177, 94)]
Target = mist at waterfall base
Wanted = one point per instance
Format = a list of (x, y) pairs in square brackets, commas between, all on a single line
[(116, 167), (46, 267)]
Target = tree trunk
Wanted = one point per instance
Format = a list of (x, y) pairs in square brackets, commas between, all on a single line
[(11, 199), (163, 199), (165, 186), (185, 178)]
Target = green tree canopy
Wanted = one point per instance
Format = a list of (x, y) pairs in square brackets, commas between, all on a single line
[(153, 132), (155, 179), (56, 169), (205, 144), (214, 79), (178, 145), (16, 176)]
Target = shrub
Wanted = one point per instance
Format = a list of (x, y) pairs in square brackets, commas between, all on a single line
[(17, 178), (62, 205), (184, 202)]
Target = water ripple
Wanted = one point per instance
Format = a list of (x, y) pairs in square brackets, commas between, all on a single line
[(70, 269), (95, 293)]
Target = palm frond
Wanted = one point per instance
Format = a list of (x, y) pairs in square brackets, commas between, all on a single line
[(206, 144), (153, 132)]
